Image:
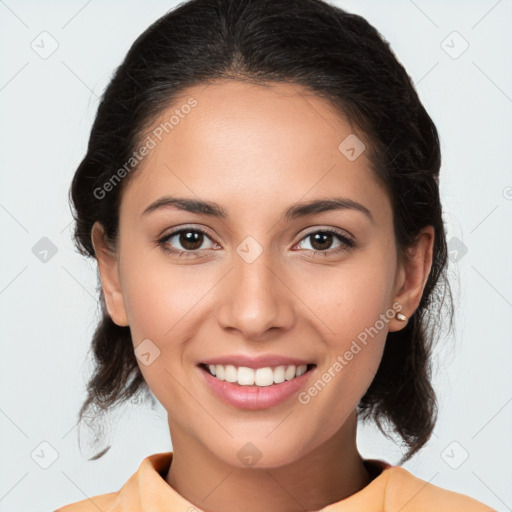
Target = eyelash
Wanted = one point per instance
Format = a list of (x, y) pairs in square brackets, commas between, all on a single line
[(347, 242)]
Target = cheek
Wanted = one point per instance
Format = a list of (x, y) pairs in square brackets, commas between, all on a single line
[(352, 357), (165, 304), (351, 297), (158, 295), (353, 304), (162, 303)]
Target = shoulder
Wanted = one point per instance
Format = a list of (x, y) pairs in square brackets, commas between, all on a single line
[(408, 493), (129, 496), (101, 502)]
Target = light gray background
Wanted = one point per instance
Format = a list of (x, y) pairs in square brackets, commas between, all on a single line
[(49, 308)]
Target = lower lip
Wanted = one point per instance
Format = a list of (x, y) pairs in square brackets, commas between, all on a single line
[(255, 397)]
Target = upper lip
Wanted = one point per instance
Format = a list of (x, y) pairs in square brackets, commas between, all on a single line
[(256, 362)]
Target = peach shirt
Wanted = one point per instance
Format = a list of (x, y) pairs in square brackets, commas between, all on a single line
[(392, 489)]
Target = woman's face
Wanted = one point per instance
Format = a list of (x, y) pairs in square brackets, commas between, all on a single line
[(258, 282)]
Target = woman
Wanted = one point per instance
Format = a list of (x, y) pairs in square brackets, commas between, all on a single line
[(260, 192)]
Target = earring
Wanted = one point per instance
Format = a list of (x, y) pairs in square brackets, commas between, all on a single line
[(401, 317)]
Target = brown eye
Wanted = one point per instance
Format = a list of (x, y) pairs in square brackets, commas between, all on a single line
[(190, 240), (321, 241), (186, 242), (328, 241)]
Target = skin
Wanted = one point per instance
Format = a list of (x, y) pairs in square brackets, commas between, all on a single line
[(256, 150)]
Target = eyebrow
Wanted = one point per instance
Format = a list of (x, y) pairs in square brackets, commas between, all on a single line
[(293, 212)]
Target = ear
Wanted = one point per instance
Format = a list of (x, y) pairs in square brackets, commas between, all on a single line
[(109, 275), (412, 275)]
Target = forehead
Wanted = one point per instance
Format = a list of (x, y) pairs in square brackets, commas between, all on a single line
[(242, 144)]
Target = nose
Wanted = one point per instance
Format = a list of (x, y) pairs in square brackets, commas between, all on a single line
[(255, 298)]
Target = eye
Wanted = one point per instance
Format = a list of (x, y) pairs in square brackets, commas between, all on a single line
[(188, 240), (321, 241)]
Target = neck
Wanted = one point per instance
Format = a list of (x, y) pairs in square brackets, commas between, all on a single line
[(329, 473)]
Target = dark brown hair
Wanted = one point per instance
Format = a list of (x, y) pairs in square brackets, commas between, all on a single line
[(332, 53)]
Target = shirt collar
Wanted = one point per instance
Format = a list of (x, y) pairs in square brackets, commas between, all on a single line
[(149, 490)]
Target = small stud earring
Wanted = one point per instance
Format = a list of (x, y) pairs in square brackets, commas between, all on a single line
[(401, 317)]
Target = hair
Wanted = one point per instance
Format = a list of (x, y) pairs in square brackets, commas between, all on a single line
[(334, 54)]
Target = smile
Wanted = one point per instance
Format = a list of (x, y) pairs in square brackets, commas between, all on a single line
[(259, 388), (261, 377)]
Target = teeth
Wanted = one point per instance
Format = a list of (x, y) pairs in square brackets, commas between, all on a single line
[(230, 373), (261, 377)]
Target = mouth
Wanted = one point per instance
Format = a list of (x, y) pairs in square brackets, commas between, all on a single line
[(244, 376)]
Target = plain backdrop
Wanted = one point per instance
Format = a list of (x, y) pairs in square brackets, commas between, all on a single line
[(55, 61)]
